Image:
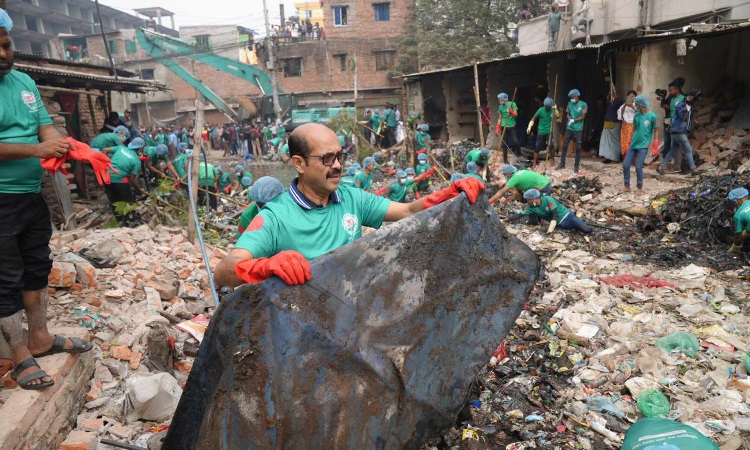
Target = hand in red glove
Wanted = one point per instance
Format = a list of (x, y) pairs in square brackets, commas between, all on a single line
[(655, 151), (143, 157), (424, 176), (497, 130), (289, 265), (513, 112), (470, 185), (99, 161)]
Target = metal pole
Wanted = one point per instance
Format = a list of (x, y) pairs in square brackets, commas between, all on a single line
[(104, 38), (271, 65), (195, 171)]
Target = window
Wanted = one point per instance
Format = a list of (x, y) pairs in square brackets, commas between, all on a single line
[(342, 61), (31, 24), (147, 74), (382, 12), (339, 15), (292, 67), (202, 42), (37, 48), (130, 47), (112, 46), (308, 14), (384, 60)]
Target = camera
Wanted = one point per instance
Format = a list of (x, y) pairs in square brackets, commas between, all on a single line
[(695, 94), (661, 94)]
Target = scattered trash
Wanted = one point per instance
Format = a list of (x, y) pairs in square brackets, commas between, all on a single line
[(653, 403), (681, 342), (153, 397)]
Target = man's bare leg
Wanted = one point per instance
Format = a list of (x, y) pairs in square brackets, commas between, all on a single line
[(35, 304), (12, 330)]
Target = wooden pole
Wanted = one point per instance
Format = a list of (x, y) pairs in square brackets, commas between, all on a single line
[(479, 104), (92, 113), (554, 123), (195, 168), (502, 136)]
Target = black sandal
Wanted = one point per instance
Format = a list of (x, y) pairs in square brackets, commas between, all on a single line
[(39, 374), (58, 346)]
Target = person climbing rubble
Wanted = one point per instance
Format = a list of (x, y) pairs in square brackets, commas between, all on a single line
[(520, 181), (741, 218), (318, 214), (26, 136), (263, 191), (548, 208)]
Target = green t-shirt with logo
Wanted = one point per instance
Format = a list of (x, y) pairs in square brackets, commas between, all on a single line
[(420, 169), (207, 174), (545, 120), (21, 114), (364, 181), (397, 191), (313, 232), (476, 156), (504, 111), (248, 215), (126, 162), (549, 209), (422, 140), (576, 110), (644, 124), (155, 159), (224, 180), (180, 164), (106, 140), (527, 179), (742, 218)]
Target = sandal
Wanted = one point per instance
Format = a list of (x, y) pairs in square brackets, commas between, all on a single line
[(39, 374), (58, 346)]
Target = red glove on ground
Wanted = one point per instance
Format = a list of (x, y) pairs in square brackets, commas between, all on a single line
[(470, 185), (655, 151), (288, 265), (99, 161)]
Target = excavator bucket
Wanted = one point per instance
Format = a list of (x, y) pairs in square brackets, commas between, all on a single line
[(377, 351)]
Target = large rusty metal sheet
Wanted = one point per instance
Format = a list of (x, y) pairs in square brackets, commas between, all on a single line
[(375, 352)]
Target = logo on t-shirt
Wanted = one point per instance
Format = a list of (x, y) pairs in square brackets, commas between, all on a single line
[(647, 122), (350, 223), (29, 98)]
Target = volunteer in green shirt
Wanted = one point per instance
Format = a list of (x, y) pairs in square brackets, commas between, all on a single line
[(207, 178), (157, 155), (180, 162), (281, 131), (225, 180), (275, 144), (26, 135), (160, 138), (265, 190), (375, 123), (547, 208), (507, 113), (349, 178), (397, 190), (284, 152), (741, 218), (471, 171), (363, 179), (576, 115), (479, 156), (422, 167), (646, 125), (317, 215), (106, 142), (124, 174), (389, 117), (520, 181), (422, 139), (553, 25), (669, 104), (545, 115)]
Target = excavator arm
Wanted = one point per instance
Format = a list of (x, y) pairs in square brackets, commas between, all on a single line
[(165, 48)]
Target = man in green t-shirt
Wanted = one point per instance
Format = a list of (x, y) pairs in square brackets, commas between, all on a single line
[(160, 138), (181, 163), (225, 180), (576, 115), (479, 156), (263, 191), (553, 27), (398, 190), (107, 142), (646, 125), (26, 135), (520, 181), (741, 218), (157, 155), (422, 139), (548, 208), (422, 167), (207, 180), (545, 114), (124, 174), (317, 215), (363, 179), (376, 123), (507, 113), (669, 104), (350, 178), (284, 152)]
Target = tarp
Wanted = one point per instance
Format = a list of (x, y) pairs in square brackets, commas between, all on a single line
[(377, 351)]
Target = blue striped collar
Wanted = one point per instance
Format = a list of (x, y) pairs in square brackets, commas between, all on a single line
[(304, 202)]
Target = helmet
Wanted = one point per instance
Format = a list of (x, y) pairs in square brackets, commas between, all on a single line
[(136, 144), (508, 169), (532, 194), (574, 93), (266, 189)]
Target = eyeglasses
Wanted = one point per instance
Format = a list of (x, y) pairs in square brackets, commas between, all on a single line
[(328, 158)]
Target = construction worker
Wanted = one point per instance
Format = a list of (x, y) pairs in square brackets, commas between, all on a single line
[(547, 208), (363, 179), (576, 115), (741, 218), (471, 171), (317, 216), (422, 144), (107, 142), (349, 178), (507, 113), (521, 181), (479, 156), (646, 125), (422, 167), (157, 155), (545, 114), (263, 191)]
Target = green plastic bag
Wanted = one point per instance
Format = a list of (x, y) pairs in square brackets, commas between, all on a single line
[(653, 403), (682, 341), (655, 433)]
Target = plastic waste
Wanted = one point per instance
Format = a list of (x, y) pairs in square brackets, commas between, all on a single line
[(533, 418), (653, 403), (603, 404), (153, 397), (656, 432), (681, 341), (89, 319)]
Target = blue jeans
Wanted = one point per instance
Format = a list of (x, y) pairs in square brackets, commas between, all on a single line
[(680, 140), (639, 154), (573, 222)]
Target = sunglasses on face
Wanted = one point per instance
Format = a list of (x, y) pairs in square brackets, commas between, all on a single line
[(328, 158)]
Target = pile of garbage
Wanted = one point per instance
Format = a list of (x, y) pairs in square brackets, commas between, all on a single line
[(143, 295), (577, 189), (456, 150), (604, 342)]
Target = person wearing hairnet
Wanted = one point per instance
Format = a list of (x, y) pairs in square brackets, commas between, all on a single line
[(422, 167), (520, 181), (422, 138), (363, 179), (350, 177), (157, 155), (507, 113), (576, 115), (741, 218), (263, 191), (545, 114), (471, 171), (107, 143), (548, 208), (646, 125)]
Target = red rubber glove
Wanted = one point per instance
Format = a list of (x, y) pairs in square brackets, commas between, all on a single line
[(655, 151), (425, 175), (143, 157), (497, 130), (99, 161), (381, 191), (513, 112), (289, 265), (470, 185), (54, 164)]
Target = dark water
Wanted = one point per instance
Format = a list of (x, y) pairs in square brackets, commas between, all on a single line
[(282, 172)]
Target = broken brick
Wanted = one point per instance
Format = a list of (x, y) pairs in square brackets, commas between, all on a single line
[(86, 274), (63, 274), (92, 424), (121, 352), (135, 360), (79, 440)]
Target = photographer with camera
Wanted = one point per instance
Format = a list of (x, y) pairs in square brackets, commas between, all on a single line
[(669, 100), (682, 124)]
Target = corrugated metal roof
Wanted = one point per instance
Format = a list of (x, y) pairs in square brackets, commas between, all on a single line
[(125, 84)]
